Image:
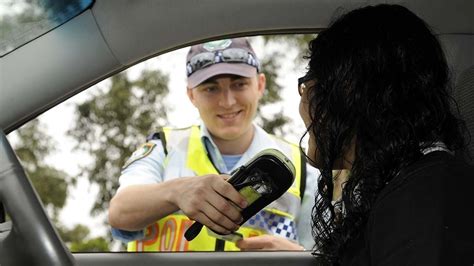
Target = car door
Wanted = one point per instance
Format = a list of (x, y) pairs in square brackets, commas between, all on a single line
[(108, 37)]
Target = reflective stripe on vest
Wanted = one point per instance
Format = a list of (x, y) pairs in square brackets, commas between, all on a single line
[(276, 219)]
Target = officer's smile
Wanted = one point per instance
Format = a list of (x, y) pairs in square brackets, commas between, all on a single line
[(229, 116)]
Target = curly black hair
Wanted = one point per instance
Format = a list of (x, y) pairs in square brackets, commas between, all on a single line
[(382, 84)]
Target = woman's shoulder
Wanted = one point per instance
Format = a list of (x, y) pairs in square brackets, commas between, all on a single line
[(426, 203), (427, 192), (437, 172)]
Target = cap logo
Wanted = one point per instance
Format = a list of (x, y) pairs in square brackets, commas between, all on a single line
[(217, 45)]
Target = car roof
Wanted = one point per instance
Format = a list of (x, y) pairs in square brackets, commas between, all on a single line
[(114, 35)]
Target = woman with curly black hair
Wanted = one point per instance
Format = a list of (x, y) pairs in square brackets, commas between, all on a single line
[(376, 102)]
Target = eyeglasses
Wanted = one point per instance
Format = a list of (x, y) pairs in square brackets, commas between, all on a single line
[(304, 83), (232, 55)]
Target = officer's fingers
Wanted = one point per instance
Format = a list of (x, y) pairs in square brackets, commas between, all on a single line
[(225, 207), (205, 220), (219, 218), (253, 243), (225, 189), (267, 242)]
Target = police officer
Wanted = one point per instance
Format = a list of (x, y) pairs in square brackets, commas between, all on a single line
[(180, 174)]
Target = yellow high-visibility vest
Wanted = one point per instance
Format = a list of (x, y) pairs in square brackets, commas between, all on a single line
[(278, 218)]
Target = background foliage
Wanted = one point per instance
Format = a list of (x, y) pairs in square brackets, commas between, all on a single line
[(112, 124), (52, 185)]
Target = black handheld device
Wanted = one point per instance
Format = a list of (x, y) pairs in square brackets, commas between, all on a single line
[(263, 179)]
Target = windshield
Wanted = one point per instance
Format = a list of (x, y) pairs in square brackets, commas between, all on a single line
[(22, 21)]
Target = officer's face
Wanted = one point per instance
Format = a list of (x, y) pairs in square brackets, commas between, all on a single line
[(228, 103)]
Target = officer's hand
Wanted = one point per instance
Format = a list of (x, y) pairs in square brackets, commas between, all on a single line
[(267, 242), (210, 200)]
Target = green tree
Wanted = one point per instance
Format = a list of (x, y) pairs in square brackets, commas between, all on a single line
[(274, 123), (111, 125), (51, 184), (295, 41), (79, 241)]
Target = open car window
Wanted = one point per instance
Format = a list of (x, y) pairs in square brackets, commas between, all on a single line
[(73, 153)]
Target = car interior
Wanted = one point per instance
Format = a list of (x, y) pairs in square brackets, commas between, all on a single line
[(108, 37)]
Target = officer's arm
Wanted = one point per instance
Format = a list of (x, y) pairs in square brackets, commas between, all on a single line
[(201, 198), (144, 197), (136, 206), (141, 187)]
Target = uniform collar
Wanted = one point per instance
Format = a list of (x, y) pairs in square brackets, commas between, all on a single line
[(261, 140)]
